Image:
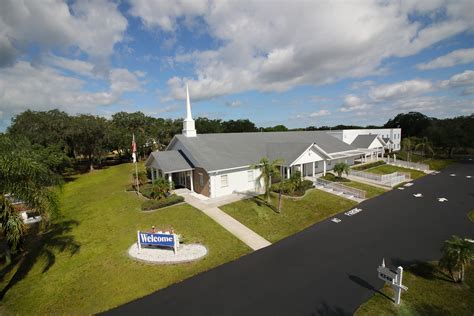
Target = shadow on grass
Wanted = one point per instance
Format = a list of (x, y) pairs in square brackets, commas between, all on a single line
[(261, 202), (430, 309), (361, 282), (41, 245), (426, 270)]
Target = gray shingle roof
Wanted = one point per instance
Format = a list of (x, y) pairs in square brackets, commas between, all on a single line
[(230, 150), (363, 141), (168, 161)]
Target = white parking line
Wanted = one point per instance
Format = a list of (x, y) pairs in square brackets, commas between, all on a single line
[(469, 177), (418, 195), (442, 199), (354, 211), (452, 174), (409, 184), (336, 220), (401, 188)]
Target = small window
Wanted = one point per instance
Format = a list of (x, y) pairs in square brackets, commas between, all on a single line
[(201, 179), (250, 175), (224, 181)]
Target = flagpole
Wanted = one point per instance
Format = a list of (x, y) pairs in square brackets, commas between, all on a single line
[(134, 157)]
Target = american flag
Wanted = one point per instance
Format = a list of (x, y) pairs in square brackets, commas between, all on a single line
[(134, 149)]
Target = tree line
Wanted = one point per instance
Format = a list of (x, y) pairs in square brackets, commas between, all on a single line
[(60, 140)]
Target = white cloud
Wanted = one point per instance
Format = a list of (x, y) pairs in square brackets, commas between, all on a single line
[(400, 89), (93, 27), (465, 78), (362, 84), (234, 104), (353, 103), (277, 47), (319, 113), (457, 57), (43, 87)]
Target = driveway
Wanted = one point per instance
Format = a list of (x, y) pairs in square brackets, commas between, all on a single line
[(329, 268)]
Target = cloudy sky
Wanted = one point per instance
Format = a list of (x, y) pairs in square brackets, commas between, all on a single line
[(296, 63)]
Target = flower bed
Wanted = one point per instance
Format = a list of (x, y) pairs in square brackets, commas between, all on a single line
[(150, 205)]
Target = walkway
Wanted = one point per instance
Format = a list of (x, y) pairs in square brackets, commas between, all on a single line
[(211, 209), (329, 268)]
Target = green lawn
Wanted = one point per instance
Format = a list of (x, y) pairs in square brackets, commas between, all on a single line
[(386, 169), (370, 191), (430, 292), (435, 164), (296, 214), (82, 266)]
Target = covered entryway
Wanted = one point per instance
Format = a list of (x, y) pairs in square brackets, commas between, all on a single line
[(172, 166)]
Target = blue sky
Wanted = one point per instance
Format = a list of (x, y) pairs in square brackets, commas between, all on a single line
[(297, 63)]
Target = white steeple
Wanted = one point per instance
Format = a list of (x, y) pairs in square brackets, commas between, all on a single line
[(188, 124)]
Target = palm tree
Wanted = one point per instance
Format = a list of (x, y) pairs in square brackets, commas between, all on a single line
[(25, 179), (341, 168), (267, 170), (457, 253), (425, 145), (407, 146)]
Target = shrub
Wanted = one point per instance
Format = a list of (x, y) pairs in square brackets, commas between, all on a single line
[(142, 178), (160, 188), (156, 204), (331, 177), (290, 187)]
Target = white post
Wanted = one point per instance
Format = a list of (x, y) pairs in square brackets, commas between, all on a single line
[(314, 170), (288, 172), (176, 242), (398, 289), (191, 177), (170, 180), (138, 241), (152, 174), (324, 167), (301, 171)]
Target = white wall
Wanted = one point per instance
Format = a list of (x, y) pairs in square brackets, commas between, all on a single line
[(395, 135), (308, 156), (237, 181)]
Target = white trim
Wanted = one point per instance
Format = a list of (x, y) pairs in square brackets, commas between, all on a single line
[(304, 152), (233, 168)]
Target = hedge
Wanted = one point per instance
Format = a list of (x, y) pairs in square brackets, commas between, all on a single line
[(156, 204), (369, 165)]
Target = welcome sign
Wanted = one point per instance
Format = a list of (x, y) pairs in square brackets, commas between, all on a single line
[(162, 240)]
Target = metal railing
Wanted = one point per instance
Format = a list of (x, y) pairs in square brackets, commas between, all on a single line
[(389, 180), (341, 188), (408, 164)]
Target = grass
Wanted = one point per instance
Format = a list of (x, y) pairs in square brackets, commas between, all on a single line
[(434, 163), (430, 292), (81, 266), (296, 214), (370, 191), (386, 169)]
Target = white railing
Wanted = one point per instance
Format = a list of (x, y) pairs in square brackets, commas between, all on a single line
[(408, 164), (341, 188), (389, 180)]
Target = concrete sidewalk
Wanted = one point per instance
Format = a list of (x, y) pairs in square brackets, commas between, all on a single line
[(210, 208)]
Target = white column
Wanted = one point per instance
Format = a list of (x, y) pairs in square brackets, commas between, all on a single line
[(288, 172), (314, 168), (191, 177), (152, 174), (301, 171), (324, 167), (170, 180)]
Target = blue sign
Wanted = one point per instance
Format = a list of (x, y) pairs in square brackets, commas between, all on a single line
[(164, 240)]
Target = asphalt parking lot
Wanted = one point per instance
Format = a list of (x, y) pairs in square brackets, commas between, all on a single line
[(329, 268)]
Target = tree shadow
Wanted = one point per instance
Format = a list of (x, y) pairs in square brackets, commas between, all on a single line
[(325, 310), (423, 269), (261, 202), (363, 283), (41, 245)]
